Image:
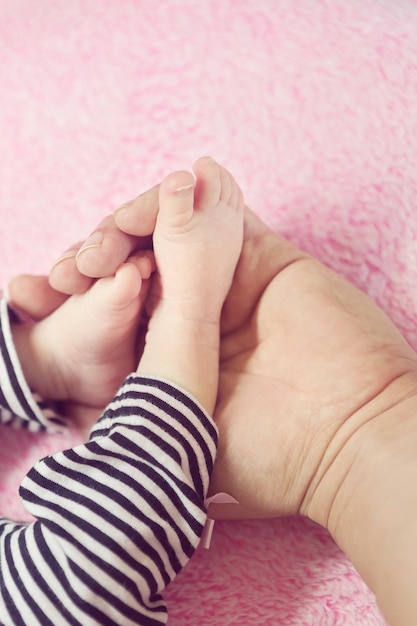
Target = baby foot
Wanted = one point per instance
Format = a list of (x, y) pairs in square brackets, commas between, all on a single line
[(197, 240), (88, 345), (197, 243)]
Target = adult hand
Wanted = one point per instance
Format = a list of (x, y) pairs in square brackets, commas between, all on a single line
[(307, 362)]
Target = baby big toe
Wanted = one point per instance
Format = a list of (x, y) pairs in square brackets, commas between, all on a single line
[(176, 200)]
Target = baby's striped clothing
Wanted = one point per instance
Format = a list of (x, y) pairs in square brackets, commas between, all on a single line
[(116, 518)]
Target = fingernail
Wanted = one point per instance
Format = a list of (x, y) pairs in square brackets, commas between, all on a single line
[(126, 205), (183, 191), (93, 241), (64, 257)]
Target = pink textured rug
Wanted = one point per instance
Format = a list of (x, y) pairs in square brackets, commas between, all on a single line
[(312, 105)]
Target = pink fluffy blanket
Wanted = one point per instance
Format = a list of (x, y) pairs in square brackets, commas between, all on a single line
[(312, 105)]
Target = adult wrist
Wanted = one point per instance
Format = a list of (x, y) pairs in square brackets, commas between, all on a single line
[(370, 507)]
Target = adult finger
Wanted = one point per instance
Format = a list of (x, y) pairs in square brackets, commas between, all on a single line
[(138, 217), (65, 276), (106, 249), (100, 255), (33, 297)]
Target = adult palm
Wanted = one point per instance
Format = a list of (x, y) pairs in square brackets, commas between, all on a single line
[(307, 361)]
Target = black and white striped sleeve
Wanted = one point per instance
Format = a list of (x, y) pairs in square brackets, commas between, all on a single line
[(18, 405), (116, 518)]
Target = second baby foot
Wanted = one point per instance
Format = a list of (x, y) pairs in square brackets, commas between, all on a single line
[(89, 343)]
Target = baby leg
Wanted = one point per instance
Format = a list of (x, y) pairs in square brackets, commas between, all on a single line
[(197, 243)]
